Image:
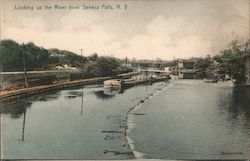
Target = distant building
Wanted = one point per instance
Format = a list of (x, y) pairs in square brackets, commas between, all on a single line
[(184, 69), (54, 54), (167, 69)]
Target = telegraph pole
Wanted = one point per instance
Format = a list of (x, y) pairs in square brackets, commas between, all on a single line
[(24, 69)]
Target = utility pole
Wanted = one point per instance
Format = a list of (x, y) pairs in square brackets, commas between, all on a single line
[(24, 69), (82, 70)]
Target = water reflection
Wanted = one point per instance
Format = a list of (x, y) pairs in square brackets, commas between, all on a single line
[(81, 102), (108, 93), (24, 119), (48, 96), (15, 110), (73, 94), (239, 106), (111, 92), (240, 95)]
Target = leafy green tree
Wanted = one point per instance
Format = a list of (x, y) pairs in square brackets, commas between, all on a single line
[(10, 55), (232, 60), (34, 56), (107, 65), (203, 67), (93, 57), (13, 55)]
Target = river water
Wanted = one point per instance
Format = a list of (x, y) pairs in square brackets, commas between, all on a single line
[(185, 119)]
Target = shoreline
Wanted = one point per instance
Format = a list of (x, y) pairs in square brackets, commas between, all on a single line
[(6, 96)]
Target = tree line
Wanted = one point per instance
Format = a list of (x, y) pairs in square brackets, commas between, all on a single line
[(14, 56), (229, 61)]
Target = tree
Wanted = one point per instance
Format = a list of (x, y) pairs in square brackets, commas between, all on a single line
[(93, 57), (107, 65), (202, 65), (10, 55), (232, 60)]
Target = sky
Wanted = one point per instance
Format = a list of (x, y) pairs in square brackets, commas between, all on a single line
[(146, 29)]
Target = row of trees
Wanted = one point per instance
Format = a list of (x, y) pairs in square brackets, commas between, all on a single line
[(230, 61), (13, 55)]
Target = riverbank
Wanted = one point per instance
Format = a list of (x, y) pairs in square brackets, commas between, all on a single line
[(21, 93)]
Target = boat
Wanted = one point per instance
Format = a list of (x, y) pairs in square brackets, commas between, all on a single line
[(221, 82), (112, 83), (225, 83), (209, 80)]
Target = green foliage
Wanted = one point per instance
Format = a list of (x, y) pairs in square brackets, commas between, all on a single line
[(72, 59), (34, 56), (13, 56), (230, 61), (201, 65), (93, 57), (233, 60), (104, 66), (107, 65), (10, 55)]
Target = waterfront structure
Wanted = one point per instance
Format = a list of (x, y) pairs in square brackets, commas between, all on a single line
[(184, 69)]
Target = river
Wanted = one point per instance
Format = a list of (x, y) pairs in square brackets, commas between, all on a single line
[(185, 119)]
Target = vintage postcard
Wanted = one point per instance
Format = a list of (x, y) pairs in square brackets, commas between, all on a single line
[(125, 79)]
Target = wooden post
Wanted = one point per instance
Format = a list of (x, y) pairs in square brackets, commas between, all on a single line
[(25, 72)]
